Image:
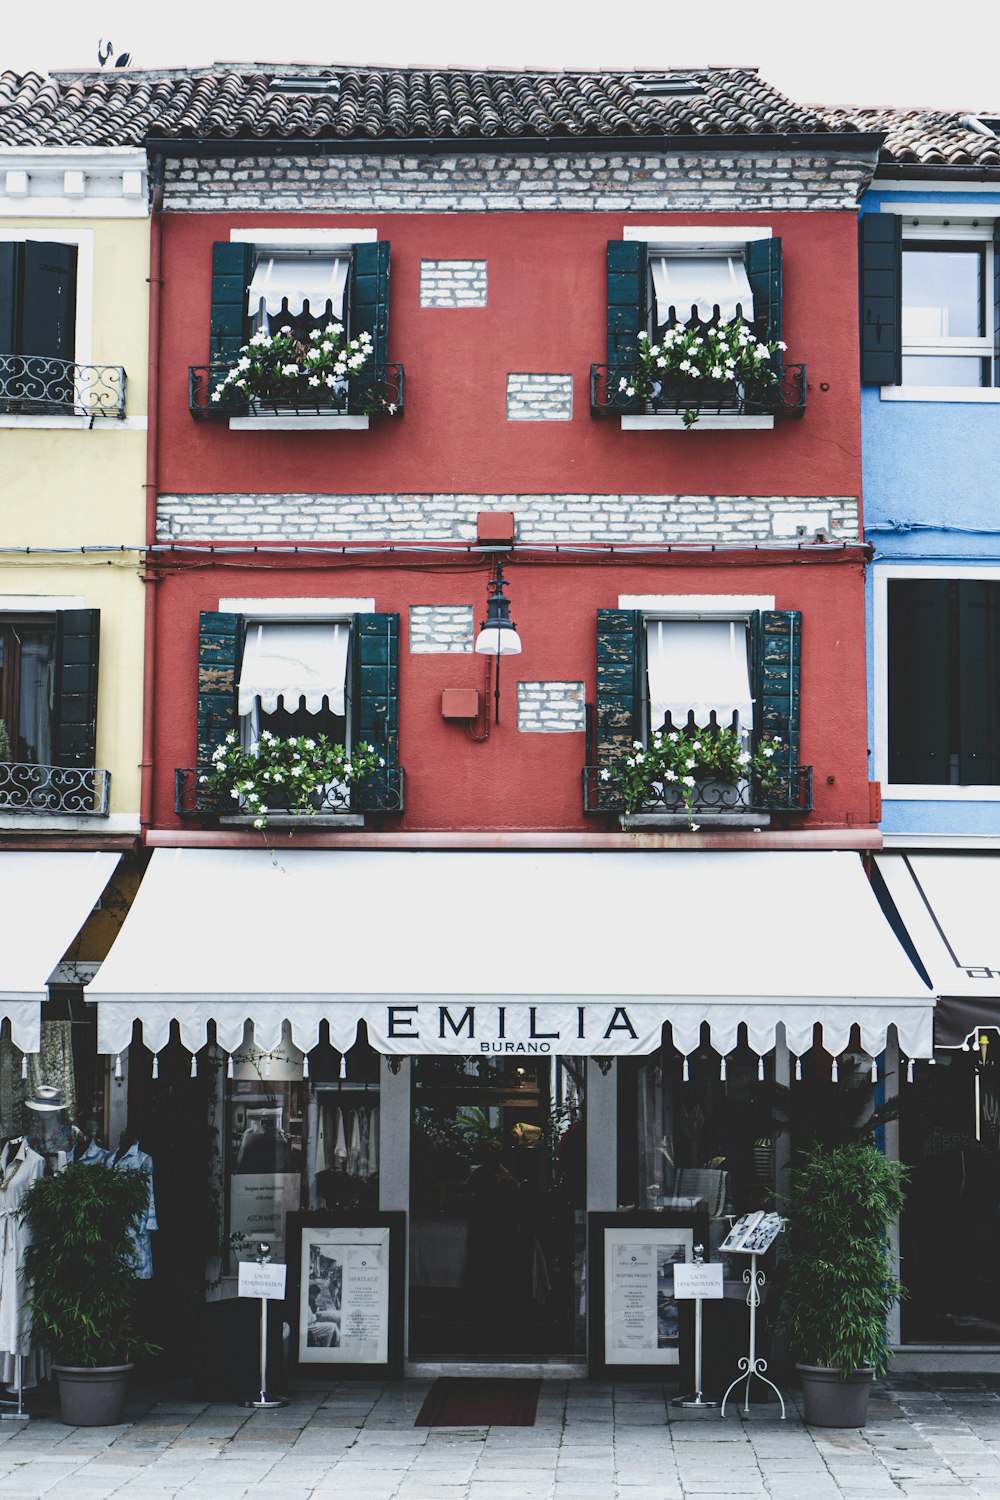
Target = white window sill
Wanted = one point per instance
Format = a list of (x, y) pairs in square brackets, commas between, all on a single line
[(74, 423), (44, 822), (943, 793), (317, 422), (972, 394), (303, 821), (644, 822), (710, 422)]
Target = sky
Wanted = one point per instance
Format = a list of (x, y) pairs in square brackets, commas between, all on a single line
[(898, 52)]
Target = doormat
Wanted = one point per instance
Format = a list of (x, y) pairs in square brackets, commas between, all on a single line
[(460, 1402)]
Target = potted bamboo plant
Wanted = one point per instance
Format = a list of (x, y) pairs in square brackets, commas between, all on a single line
[(839, 1280), (80, 1270)]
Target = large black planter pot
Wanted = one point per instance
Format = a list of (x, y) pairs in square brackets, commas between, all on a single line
[(829, 1401), (91, 1397)]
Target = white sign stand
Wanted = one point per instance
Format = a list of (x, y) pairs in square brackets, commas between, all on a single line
[(265, 1281), (760, 1237), (702, 1286)]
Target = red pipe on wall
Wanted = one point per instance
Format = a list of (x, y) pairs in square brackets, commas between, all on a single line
[(151, 487)]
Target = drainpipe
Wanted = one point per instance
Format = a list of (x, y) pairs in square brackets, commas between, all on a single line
[(151, 487)]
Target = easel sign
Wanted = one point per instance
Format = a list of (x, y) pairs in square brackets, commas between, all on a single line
[(752, 1234)]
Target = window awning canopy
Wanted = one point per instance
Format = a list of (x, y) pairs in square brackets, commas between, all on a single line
[(608, 947), (948, 905), (687, 285), (698, 665), (316, 279), (293, 661), (45, 898)]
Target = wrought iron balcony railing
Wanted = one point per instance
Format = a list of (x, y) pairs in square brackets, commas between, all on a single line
[(792, 792), (383, 793), (83, 791), (375, 392), (672, 397), (35, 385)]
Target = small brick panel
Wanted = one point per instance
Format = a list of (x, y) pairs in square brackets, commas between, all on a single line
[(452, 283), (551, 708), (753, 520), (715, 182), (445, 628), (539, 398)]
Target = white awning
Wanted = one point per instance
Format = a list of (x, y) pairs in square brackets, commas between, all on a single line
[(701, 283), (948, 904), (45, 898), (316, 279), (698, 665), (293, 661), (602, 949)]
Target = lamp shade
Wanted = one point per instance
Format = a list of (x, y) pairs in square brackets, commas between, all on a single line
[(498, 638)]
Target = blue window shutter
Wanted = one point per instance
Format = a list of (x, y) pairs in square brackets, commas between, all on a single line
[(220, 656), (375, 698), (763, 267), (621, 682), (881, 299), (776, 654), (232, 268), (74, 730), (628, 298)]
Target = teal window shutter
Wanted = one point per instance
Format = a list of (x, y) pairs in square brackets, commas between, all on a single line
[(621, 682), (776, 643), (9, 280), (232, 268), (628, 298), (74, 729), (375, 701), (881, 299), (220, 656), (369, 295), (763, 267)]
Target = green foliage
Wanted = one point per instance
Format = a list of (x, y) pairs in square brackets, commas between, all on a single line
[(302, 772), (4, 742), (838, 1276), (672, 764), (697, 358), (80, 1262), (282, 364)]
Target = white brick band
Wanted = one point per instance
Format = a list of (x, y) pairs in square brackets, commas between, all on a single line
[(539, 398), (452, 283), (445, 628), (551, 708)]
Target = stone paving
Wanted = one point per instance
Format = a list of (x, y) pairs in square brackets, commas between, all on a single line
[(925, 1440)]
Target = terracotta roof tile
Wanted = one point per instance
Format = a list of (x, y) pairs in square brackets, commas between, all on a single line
[(924, 137)]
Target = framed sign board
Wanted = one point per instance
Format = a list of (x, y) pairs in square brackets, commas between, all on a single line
[(753, 1234), (346, 1294), (636, 1330)]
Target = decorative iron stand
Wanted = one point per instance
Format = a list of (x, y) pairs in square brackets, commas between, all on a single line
[(18, 1414), (264, 1402), (751, 1363)]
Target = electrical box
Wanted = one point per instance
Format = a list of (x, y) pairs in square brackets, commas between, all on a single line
[(460, 703)]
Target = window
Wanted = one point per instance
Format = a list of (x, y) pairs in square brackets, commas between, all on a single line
[(293, 680), (947, 337), (38, 282), (698, 674), (304, 290), (698, 289), (943, 681), (27, 686)]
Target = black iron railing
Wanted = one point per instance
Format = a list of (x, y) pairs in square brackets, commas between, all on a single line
[(79, 790), (35, 385), (375, 392), (790, 792), (383, 793), (609, 396)]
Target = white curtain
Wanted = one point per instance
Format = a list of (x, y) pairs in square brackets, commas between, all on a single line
[(293, 661), (698, 666), (700, 283), (316, 279)]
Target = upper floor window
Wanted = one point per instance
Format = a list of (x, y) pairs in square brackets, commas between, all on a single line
[(304, 291), (698, 674), (293, 680), (947, 323), (37, 325), (27, 686)]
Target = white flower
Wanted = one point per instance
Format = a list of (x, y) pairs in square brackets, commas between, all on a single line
[(695, 827), (630, 762), (330, 381), (258, 822), (686, 366), (637, 744), (689, 765), (696, 745), (661, 363), (639, 759), (314, 380), (290, 370), (687, 781), (768, 753), (630, 390), (744, 758), (670, 775), (621, 384), (673, 737), (605, 774), (309, 744), (781, 345), (643, 338)]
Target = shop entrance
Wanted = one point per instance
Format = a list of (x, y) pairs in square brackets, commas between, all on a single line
[(497, 1208)]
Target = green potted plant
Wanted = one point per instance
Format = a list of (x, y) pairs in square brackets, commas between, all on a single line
[(284, 369), (674, 766), (839, 1279), (302, 774), (80, 1269), (695, 365)]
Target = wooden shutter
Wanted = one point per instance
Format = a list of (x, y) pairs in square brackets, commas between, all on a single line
[(220, 656), (9, 277), (996, 302), (763, 267), (881, 299), (369, 291), (978, 682), (375, 700), (74, 729), (776, 639), (232, 268), (919, 676), (621, 682), (628, 298), (48, 302)]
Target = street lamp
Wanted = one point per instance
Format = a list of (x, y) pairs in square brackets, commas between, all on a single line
[(498, 634)]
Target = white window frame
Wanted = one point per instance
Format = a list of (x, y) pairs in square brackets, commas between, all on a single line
[(83, 343), (723, 239), (965, 224), (882, 574), (273, 239)]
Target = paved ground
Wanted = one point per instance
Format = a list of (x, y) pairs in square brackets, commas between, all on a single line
[(591, 1442)]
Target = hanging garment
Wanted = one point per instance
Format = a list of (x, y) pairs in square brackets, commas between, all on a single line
[(94, 1155), (354, 1144), (20, 1168), (131, 1161), (373, 1143), (323, 1159), (339, 1142), (364, 1132)]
